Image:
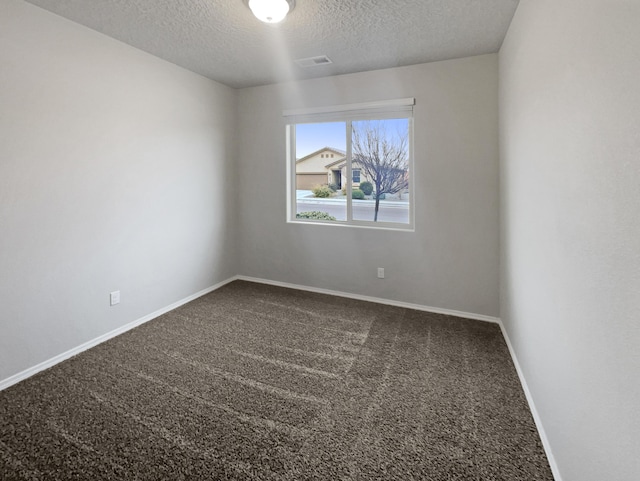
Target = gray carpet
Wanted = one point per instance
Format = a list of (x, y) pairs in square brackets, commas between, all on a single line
[(254, 382)]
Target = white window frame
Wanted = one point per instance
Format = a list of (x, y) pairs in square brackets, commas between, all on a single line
[(380, 110)]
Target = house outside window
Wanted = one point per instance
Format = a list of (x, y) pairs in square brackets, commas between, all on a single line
[(372, 145)]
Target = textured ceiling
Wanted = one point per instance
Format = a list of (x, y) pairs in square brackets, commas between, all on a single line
[(222, 40)]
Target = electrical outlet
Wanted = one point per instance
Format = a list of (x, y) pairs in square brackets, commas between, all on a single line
[(380, 272), (114, 298)]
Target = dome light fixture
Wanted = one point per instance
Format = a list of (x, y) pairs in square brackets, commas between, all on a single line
[(271, 11)]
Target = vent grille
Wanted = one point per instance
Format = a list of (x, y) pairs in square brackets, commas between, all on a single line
[(313, 61)]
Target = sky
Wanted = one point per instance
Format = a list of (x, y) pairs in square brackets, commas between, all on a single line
[(312, 137)]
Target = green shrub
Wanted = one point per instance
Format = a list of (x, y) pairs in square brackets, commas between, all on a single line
[(315, 215), (321, 191), (344, 191), (357, 194), (333, 187), (366, 187)]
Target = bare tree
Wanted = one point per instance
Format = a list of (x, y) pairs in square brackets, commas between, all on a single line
[(383, 156)]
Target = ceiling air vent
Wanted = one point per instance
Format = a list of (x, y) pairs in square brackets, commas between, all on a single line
[(313, 61)]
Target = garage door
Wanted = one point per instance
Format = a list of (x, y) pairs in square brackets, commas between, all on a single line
[(309, 181)]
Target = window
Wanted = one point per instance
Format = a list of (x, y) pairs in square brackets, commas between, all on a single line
[(371, 144)]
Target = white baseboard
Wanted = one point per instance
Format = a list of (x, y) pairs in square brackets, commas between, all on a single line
[(479, 317), (16, 378), (532, 407), (378, 300)]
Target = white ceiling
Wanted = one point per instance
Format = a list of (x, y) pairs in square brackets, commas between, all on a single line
[(222, 40)]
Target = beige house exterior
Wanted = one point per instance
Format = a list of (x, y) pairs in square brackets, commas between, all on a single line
[(323, 167)]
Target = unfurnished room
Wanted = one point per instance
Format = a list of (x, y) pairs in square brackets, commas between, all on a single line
[(300, 240)]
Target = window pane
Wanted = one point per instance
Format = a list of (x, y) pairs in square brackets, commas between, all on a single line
[(320, 176), (381, 155)]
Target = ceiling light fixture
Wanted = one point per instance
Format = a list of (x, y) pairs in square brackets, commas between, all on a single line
[(271, 11)]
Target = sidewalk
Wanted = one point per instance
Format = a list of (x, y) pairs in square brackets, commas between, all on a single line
[(308, 198)]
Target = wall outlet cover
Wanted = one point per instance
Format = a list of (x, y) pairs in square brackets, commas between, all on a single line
[(114, 298)]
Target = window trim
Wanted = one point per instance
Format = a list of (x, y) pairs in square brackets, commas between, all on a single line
[(369, 107), (380, 110)]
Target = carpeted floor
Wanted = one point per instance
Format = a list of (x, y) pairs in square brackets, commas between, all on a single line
[(255, 382)]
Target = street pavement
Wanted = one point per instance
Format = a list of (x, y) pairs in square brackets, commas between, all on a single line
[(389, 211)]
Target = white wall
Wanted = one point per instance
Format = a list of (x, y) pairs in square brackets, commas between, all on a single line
[(570, 226), (116, 172), (451, 260)]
